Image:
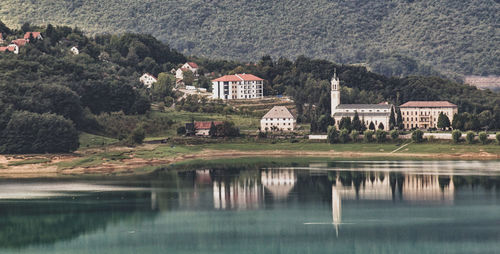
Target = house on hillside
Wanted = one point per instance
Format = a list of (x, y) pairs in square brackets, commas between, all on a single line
[(11, 48), (148, 80), (369, 113), (200, 128), (189, 66), (425, 114), (74, 50), (278, 118), (35, 35), (239, 86), (20, 42)]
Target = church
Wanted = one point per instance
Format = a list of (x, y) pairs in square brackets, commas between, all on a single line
[(376, 113)]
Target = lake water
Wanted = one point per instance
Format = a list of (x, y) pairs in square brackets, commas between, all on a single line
[(317, 207)]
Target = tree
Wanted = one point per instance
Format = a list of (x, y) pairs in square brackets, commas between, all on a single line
[(381, 135), (28, 132), (483, 137), (325, 121), (443, 121), (213, 130), (354, 135), (332, 134), (344, 136), (368, 136), (381, 126), (455, 135), (469, 137), (188, 77), (345, 123), (163, 87), (372, 126), (137, 136), (417, 136), (181, 130), (498, 138), (356, 123), (394, 134), (458, 122), (392, 120), (400, 123)]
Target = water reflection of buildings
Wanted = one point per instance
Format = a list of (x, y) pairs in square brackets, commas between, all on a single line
[(279, 182), (410, 187), (243, 193)]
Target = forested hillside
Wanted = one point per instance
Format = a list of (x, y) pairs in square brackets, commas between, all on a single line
[(397, 37)]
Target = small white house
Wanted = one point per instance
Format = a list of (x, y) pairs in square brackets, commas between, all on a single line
[(192, 88), (75, 50), (189, 66), (11, 48), (148, 80), (278, 118)]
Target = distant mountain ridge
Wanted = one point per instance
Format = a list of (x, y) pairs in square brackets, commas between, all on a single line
[(445, 35)]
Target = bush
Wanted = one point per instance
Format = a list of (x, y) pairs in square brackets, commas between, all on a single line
[(498, 138), (354, 135), (394, 134), (417, 136), (333, 134), (344, 136), (483, 137), (455, 135), (137, 136), (181, 130), (28, 132), (469, 137), (368, 136), (381, 136)]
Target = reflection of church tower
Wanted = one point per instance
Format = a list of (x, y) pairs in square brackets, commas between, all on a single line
[(336, 209), (335, 93)]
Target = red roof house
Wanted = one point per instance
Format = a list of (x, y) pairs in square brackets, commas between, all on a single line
[(35, 35)]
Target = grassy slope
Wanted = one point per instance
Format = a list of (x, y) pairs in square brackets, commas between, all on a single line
[(451, 35)]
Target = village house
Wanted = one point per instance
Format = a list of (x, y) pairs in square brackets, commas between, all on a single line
[(11, 48), (75, 50), (35, 35), (278, 118), (20, 42), (200, 128), (425, 114), (148, 80), (189, 66), (239, 86), (369, 113)]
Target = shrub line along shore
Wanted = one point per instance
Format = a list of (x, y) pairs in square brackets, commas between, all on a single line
[(120, 161)]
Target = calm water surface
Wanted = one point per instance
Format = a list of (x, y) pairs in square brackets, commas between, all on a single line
[(321, 207)]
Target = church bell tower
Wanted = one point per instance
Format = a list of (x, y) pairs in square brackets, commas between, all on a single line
[(335, 93)]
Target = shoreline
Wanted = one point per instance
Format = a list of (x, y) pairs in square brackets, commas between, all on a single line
[(130, 161)]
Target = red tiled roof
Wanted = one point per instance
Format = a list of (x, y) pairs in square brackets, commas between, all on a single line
[(428, 104), (8, 48), (3, 49), (205, 125), (20, 42), (193, 65), (237, 77), (34, 34)]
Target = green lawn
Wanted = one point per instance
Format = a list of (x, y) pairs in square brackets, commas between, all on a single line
[(88, 140)]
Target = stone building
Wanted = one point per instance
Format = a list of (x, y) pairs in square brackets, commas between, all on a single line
[(369, 113), (239, 86), (278, 118), (425, 114)]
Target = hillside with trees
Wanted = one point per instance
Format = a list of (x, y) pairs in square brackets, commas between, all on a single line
[(48, 94), (394, 38)]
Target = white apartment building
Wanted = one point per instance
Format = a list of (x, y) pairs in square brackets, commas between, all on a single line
[(239, 86), (278, 118)]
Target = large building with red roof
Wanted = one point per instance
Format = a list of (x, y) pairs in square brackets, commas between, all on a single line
[(238, 86), (425, 114)]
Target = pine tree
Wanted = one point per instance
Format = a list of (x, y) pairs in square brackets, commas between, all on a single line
[(345, 123), (392, 119), (400, 120), (372, 126), (213, 130), (356, 123), (443, 121), (381, 126)]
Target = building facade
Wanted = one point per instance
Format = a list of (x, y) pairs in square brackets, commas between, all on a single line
[(425, 114), (278, 118), (368, 113), (148, 80), (239, 86)]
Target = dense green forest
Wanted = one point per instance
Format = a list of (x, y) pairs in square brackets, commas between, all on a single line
[(48, 95), (397, 37)]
